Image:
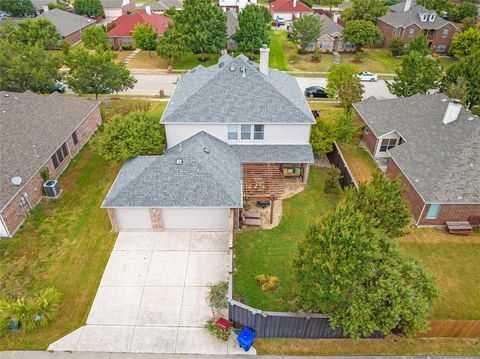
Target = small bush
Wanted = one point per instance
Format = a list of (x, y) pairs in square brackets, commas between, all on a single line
[(217, 298), (127, 47), (332, 182), (397, 46), (45, 173), (317, 56), (294, 59), (217, 332), (303, 51), (266, 282)]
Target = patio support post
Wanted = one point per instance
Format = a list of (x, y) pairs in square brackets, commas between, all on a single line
[(306, 172), (272, 200)]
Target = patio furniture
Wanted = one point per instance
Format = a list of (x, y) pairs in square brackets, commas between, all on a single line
[(253, 214), (263, 204), (459, 227), (253, 222)]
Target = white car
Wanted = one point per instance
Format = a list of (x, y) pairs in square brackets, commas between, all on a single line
[(367, 76)]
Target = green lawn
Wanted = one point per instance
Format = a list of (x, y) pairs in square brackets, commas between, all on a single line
[(65, 243), (144, 60), (374, 60), (454, 261), (271, 251), (359, 161)]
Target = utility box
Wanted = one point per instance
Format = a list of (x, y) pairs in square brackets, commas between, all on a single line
[(51, 188)]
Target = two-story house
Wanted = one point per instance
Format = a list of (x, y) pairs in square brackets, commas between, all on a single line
[(235, 5), (408, 20), (433, 144), (286, 11), (234, 130)]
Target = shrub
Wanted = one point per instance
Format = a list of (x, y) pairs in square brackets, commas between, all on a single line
[(397, 46), (217, 298), (317, 56), (45, 173), (266, 282), (332, 182), (127, 47), (217, 332), (294, 59)]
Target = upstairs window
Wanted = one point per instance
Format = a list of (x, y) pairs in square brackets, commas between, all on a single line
[(258, 132), (74, 137), (232, 132), (245, 132), (387, 144), (411, 32), (445, 33)]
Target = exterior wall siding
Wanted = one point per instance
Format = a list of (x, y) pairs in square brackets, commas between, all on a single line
[(15, 213), (274, 134)]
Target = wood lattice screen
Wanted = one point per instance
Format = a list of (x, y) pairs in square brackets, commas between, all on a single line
[(262, 181)]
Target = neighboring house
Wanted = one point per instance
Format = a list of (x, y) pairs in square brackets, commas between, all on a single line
[(116, 8), (121, 33), (336, 11), (288, 10), (161, 6), (331, 37), (408, 20), (41, 5), (232, 26), (70, 26), (234, 130), (38, 132), (235, 5), (433, 144)]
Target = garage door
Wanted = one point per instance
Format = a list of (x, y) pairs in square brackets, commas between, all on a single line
[(213, 219), (131, 219), (113, 12)]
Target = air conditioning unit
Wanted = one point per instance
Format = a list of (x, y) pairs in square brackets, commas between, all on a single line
[(51, 188)]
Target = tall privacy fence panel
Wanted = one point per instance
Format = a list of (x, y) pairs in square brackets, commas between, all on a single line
[(452, 329), (336, 158)]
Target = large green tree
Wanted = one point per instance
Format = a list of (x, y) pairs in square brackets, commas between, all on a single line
[(25, 68), (341, 75), (361, 33), (252, 30), (135, 134), (438, 5), (420, 44), (469, 68), (461, 11), (17, 7), (369, 10), (91, 8), (203, 26), (382, 201), (96, 72), (465, 43), (417, 74), (39, 32), (145, 37), (324, 134), (172, 46), (306, 30), (347, 268), (95, 37)]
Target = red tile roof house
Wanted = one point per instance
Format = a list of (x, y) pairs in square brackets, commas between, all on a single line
[(37, 132), (121, 34), (433, 144), (408, 20), (288, 10)]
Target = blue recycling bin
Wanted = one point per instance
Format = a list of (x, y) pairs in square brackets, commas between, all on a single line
[(245, 338)]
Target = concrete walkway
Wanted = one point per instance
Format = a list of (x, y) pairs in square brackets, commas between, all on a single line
[(127, 59), (153, 296)]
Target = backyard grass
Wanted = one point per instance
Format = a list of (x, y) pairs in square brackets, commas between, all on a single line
[(374, 60), (359, 161), (65, 243), (389, 346), (271, 251), (145, 61), (454, 261), (326, 109)]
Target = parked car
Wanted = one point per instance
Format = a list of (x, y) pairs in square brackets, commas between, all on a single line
[(316, 91), (60, 87), (367, 76)]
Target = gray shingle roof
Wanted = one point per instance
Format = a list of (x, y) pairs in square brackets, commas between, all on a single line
[(39, 4), (441, 161), (218, 95), (211, 179), (401, 5), (66, 22), (329, 27), (412, 16), (112, 3), (232, 23), (163, 5), (34, 120)]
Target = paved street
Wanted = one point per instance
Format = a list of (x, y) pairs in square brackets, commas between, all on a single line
[(152, 84)]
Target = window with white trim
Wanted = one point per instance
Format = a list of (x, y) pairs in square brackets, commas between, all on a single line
[(233, 132), (434, 211), (411, 32), (445, 33), (258, 132), (387, 144), (245, 132)]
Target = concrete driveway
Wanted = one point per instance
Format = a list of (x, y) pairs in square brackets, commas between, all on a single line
[(152, 296)]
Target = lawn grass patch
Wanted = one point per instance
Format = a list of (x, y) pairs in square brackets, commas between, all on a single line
[(454, 261), (145, 61), (392, 345), (374, 60), (270, 252), (277, 58), (359, 161)]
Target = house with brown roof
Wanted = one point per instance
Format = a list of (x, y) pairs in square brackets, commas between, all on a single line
[(408, 20), (37, 132), (433, 144)]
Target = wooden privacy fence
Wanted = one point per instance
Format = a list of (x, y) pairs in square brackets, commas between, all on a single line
[(336, 158), (452, 329)]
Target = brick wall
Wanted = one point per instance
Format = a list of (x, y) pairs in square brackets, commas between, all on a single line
[(113, 218), (77, 35), (15, 213), (156, 217), (388, 33), (437, 38), (130, 6), (368, 138)]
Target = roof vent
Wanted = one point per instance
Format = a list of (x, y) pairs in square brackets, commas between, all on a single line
[(243, 70), (221, 64), (6, 95), (471, 118), (16, 181), (232, 68), (179, 161), (206, 150)]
